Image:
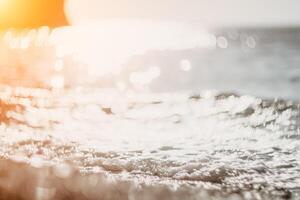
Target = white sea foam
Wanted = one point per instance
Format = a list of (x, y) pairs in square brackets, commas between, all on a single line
[(238, 143)]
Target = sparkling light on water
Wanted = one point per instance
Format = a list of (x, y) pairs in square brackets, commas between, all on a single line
[(130, 37), (59, 65), (196, 141), (57, 81), (209, 142), (185, 65), (143, 78), (222, 42), (250, 41)]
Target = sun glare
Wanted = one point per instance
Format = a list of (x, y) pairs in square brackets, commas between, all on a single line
[(3, 7), (2, 2), (31, 13)]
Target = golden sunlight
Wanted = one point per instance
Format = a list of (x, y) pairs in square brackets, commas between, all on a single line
[(2, 2), (149, 99), (4, 7), (31, 13)]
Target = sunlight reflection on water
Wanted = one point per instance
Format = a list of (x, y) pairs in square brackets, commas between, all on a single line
[(211, 140), (209, 144), (110, 44)]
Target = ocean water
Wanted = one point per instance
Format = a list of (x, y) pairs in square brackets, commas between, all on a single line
[(215, 115)]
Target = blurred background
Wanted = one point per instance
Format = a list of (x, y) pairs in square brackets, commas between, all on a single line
[(246, 46)]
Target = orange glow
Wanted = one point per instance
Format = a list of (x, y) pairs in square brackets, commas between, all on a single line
[(31, 13), (4, 8), (2, 3)]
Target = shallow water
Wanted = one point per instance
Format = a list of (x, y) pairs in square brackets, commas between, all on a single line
[(209, 144), (150, 130)]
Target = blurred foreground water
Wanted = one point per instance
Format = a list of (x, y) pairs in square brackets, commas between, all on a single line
[(141, 124)]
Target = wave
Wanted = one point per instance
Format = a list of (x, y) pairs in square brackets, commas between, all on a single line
[(102, 144)]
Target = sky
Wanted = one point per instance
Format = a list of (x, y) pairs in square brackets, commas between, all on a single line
[(33, 13), (209, 12)]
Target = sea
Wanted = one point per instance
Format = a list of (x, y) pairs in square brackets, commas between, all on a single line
[(144, 110)]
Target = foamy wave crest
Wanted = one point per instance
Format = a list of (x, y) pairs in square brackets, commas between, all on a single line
[(91, 144)]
